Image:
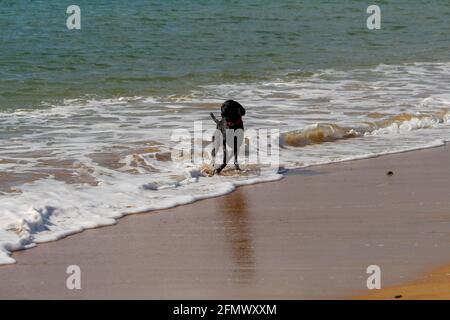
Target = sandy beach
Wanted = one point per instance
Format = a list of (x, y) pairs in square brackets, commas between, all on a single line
[(432, 285), (309, 236)]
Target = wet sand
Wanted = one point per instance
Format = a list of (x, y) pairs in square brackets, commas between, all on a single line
[(310, 235)]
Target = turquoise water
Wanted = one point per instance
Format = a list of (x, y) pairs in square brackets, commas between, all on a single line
[(148, 48)]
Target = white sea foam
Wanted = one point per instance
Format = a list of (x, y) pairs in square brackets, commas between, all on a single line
[(86, 163)]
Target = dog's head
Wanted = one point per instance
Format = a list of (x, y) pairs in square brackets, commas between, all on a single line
[(232, 110)]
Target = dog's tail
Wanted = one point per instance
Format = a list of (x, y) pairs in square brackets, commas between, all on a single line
[(214, 118)]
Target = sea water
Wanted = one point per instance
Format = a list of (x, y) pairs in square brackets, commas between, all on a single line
[(87, 115)]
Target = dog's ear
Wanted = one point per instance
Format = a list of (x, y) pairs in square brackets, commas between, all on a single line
[(241, 110)]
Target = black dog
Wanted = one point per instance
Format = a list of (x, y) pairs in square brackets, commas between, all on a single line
[(230, 127)]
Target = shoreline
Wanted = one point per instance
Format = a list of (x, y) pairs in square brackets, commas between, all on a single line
[(320, 242), (237, 184)]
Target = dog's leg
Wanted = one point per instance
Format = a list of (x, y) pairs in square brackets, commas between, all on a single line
[(225, 156), (236, 152), (213, 151)]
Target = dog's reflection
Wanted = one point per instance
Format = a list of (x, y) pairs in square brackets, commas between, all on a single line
[(238, 232)]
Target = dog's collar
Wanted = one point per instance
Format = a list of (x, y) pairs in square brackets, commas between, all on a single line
[(234, 123)]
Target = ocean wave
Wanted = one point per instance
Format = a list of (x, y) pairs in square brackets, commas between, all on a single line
[(329, 132)]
